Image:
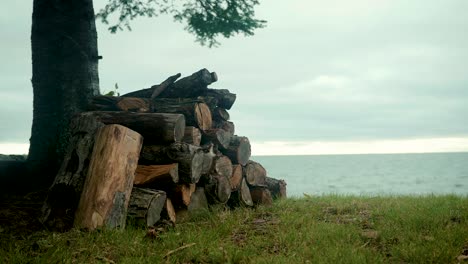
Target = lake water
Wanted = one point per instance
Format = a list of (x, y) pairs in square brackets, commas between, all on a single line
[(371, 174)]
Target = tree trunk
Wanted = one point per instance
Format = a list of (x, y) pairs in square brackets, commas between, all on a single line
[(64, 77), (155, 127), (239, 150), (192, 136), (63, 196), (276, 187), (146, 206), (189, 158), (255, 173), (108, 186), (156, 175)]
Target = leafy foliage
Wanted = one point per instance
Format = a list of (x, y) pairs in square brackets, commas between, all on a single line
[(206, 19)]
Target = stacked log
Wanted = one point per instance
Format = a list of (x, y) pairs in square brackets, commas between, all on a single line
[(190, 158)]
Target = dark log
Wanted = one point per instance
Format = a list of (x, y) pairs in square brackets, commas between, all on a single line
[(218, 136), (169, 212), (239, 150), (181, 194), (109, 182), (192, 136), (254, 173), (196, 113), (225, 98), (222, 166), (218, 189), (146, 205), (261, 195), (154, 90), (226, 126), (156, 175), (113, 103), (241, 197), (190, 86), (64, 195), (277, 187), (208, 157), (189, 158), (157, 128), (236, 177), (220, 114)]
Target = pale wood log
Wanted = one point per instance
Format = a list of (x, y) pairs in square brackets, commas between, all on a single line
[(169, 212), (190, 86), (261, 195), (146, 205), (218, 136), (154, 90), (114, 103), (108, 185), (189, 158), (63, 196), (277, 187), (241, 197), (254, 173), (218, 189), (196, 112), (155, 127), (239, 150), (225, 98), (157, 174), (192, 136), (236, 177)]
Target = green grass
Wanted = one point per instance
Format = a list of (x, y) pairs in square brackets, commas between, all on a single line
[(326, 229)]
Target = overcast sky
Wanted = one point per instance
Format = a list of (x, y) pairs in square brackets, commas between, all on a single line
[(323, 77)]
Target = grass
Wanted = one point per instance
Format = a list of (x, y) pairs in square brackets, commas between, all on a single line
[(325, 229)]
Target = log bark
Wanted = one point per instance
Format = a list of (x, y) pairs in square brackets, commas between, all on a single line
[(222, 166), (190, 86), (155, 127), (236, 177), (154, 90), (113, 103), (64, 195), (196, 113), (225, 98), (189, 158), (239, 150), (226, 126), (192, 136), (156, 175), (255, 173), (218, 136), (218, 189), (261, 195), (181, 195), (277, 187), (108, 185), (241, 197), (220, 114), (146, 205)]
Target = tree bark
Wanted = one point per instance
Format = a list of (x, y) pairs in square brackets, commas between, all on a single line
[(225, 98), (114, 103), (109, 182), (146, 205), (157, 128), (63, 196), (190, 86), (189, 158), (192, 136), (218, 136), (277, 187), (255, 173), (220, 114), (64, 77), (156, 175), (239, 150), (196, 112)]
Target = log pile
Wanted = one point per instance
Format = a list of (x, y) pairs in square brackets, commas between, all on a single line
[(159, 153)]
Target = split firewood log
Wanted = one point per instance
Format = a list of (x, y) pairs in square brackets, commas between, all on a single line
[(155, 175), (236, 177)]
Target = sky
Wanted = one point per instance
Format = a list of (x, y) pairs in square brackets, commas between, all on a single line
[(324, 77)]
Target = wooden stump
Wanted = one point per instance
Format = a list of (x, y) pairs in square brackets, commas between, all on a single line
[(108, 185), (64, 195), (239, 150), (157, 174), (255, 173), (157, 128), (146, 205)]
